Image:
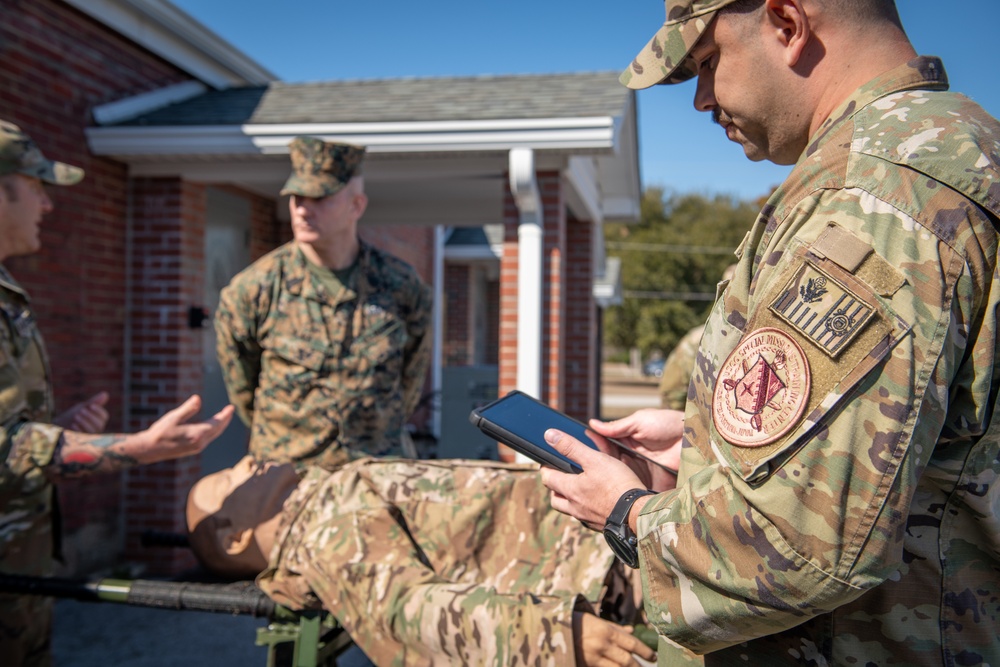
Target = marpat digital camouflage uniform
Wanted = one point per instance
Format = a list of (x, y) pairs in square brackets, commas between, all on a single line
[(838, 501), (323, 378), (27, 443), (444, 563)]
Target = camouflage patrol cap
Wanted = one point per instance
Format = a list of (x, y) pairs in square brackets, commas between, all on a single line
[(665, 59), (321, 168), (20, 155)]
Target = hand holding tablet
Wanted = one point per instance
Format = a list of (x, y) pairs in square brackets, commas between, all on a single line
[(520, 421)]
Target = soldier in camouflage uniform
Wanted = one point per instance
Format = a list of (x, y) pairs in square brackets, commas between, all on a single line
[(838, 497), (424, 562), (325, 342), (37, 449)]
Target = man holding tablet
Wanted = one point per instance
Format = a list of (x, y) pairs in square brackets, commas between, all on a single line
[(837, 498)]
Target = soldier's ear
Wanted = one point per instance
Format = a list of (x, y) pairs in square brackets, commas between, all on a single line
[(235, 542), (360, 203), (789, 23)]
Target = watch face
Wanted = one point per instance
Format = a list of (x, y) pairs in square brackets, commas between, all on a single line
[(624, 548)]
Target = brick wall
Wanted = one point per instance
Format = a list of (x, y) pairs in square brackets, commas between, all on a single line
[(266, 231), (456, 333), (569, 314), (167, 268), (569, 336), (554, 301), (580, 371), (57, 65)]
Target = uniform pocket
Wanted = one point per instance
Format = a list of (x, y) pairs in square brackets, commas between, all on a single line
[(298, 352)]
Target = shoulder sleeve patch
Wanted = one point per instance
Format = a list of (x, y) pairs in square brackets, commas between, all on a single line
[(762, 389), (817, 332)]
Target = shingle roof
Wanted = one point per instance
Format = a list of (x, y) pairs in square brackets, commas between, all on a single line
[(575, 95)]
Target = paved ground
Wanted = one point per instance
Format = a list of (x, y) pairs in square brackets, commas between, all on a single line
[(625, 390), (101, 634), (91, 634)]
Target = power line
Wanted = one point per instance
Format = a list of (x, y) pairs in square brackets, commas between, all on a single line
[(669, 248), (669, 296)]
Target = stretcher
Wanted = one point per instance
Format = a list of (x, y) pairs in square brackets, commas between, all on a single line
[(293, 638)]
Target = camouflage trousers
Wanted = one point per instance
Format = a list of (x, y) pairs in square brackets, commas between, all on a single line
[(25, 630), (26, 620), (445, 563)]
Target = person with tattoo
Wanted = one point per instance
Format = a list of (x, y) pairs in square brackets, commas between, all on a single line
[(38, 450)]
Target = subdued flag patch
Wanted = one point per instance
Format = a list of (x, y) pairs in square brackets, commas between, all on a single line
[(822, 309)]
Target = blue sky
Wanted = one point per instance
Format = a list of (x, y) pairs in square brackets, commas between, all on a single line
[(680, 149)]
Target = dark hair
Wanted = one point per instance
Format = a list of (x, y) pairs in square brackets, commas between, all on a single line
[(742, 6), (860, 10)]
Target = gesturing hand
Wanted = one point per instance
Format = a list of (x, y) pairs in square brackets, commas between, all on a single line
[(89, 416), (170, 436)]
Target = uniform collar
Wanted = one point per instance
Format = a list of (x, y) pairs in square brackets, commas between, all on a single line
[(7, 281), (299, 279), (921, 73)]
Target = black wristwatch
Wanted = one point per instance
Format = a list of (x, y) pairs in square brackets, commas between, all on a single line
[(619, 536)]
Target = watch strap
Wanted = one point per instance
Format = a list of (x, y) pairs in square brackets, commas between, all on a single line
[(619, 515)]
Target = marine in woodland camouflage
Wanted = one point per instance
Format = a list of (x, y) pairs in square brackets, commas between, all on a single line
[(27, 443), (865, 530), (323, 378), (444, 563)]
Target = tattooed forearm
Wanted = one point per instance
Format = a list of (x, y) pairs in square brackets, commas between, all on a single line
[(81, 454)]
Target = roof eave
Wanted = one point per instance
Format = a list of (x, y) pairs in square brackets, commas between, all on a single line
[(175, 36), (573, 134)]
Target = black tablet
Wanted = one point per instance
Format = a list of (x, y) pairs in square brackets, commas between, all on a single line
[(520, 421)]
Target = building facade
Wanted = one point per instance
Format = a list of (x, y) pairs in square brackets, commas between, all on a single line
[(184, 140)]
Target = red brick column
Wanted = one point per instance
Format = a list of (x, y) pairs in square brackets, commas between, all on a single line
[(554, 302), (456, 315), (579, 353), (165, 368), (554, 239)]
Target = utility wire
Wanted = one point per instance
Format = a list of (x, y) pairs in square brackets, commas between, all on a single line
[(669, 296), (669, 248)]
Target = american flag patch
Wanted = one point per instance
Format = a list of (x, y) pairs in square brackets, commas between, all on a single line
[(822, 309)]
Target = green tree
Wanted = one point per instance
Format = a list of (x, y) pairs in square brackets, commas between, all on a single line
[(672, 260)]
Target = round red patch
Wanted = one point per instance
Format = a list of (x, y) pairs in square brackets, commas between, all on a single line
[(762, 389)]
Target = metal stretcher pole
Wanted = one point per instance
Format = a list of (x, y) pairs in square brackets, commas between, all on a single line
[(237, 598), (292, 638)]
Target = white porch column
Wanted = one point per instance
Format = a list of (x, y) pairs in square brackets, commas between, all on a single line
[(437, 355)]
